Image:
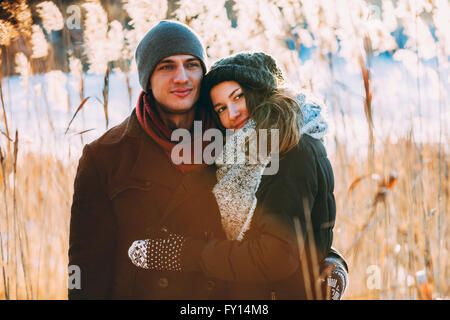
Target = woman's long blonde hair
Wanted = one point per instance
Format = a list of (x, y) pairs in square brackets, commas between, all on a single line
[(275, 110)]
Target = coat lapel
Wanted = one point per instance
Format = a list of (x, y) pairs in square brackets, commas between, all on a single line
[(192, 183), (152, 164)]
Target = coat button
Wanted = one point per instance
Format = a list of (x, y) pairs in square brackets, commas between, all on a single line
[(163, 283), (210, 285)]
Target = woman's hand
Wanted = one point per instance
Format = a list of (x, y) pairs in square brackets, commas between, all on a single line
[(334, 278)]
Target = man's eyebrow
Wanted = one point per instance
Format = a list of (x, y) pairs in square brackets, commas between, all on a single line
[(166, 61), (193, 59)]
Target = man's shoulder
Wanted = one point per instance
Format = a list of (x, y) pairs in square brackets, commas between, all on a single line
[(117, 145), (127, 128)]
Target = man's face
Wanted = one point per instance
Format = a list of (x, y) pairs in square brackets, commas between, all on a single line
[(175, 83)]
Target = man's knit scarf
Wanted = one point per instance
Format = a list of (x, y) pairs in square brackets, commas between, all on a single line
[(237, 183), (153, 125)]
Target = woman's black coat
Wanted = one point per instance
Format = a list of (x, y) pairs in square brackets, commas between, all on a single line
[(267, 263)]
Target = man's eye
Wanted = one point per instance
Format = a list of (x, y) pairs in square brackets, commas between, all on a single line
[(193, 65), (165, 67)]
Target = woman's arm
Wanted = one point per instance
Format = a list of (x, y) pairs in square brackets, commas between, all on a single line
[(269, 250)]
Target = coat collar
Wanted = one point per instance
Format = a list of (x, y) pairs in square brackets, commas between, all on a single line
[(151, 163), (129, 128), (132, 126)]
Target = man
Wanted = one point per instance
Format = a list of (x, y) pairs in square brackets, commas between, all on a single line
[(128, 185)]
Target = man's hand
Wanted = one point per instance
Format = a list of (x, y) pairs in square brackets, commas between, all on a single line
[(160, 253)]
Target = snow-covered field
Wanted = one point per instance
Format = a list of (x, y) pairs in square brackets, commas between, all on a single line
[(41, 107)]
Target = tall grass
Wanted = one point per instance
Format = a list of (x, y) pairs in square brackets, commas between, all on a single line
[(400, 219), (394, 229), (34, 227)]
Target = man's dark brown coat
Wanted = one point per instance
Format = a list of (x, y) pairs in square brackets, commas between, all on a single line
[(126, 185)]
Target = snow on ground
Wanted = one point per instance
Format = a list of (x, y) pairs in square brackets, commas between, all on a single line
[(40, 109)]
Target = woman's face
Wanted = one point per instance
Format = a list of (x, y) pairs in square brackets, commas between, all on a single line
[(229, 103)]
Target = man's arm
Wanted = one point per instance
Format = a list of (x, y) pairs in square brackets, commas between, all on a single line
[(91, 241)]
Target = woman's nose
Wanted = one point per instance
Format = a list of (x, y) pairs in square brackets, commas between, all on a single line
[(234, 112)]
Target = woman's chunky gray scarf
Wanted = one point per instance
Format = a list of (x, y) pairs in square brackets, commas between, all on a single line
[(238, 181)]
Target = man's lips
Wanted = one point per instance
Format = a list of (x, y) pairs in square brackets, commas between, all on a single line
[(181, 92)]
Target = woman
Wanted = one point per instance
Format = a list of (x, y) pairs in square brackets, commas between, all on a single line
[(278, 226)]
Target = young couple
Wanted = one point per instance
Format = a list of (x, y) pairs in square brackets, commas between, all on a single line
[(144, 226)]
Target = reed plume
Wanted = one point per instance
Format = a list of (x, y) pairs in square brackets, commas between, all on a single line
[(39, 43), (8, 32), (19, 12), (52, 18)]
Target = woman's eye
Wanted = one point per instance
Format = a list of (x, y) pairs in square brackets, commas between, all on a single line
[(220, 110), (237, 97)]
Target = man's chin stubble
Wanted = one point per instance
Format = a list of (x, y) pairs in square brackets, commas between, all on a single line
[(170, 111)]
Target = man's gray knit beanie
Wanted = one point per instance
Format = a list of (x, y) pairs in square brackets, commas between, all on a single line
[(166, 39)]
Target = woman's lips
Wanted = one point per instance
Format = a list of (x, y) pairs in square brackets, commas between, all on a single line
[(181, 92), (241, 124)]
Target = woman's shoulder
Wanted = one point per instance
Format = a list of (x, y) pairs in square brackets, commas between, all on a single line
[(301, 159), (307, 148)]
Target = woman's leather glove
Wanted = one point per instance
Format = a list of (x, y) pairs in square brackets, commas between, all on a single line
[(334, 278)]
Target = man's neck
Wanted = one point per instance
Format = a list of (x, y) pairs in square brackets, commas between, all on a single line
[(176, 120)]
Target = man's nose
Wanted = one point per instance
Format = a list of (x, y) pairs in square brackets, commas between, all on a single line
[(180, 75)]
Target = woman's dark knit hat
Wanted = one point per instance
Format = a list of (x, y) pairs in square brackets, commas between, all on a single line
[(256, 70), (166, 39)]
